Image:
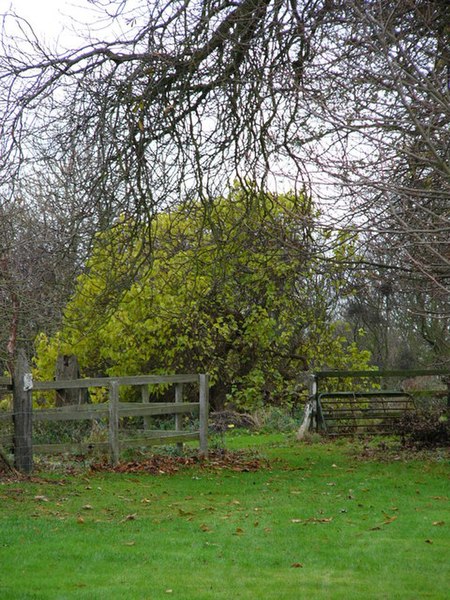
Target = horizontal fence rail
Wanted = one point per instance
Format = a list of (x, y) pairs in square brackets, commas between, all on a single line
[(5, 383), (104, 382), (404, 374)]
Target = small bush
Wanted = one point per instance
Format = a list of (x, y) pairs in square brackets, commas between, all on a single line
[(425, 428), (277, 420)]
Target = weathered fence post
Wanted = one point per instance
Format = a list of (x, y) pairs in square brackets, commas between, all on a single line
[(114, 421), (310, 412), (22, 415), (203, 410), (145, 397), (313, 387), (179, 416)]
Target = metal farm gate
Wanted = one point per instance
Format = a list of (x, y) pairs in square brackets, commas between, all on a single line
[(369, 402)]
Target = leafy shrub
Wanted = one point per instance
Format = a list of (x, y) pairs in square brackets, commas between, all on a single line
[(275, 419), (425, 427), (222, 299)]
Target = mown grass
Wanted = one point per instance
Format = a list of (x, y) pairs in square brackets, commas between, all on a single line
[(318, 523)]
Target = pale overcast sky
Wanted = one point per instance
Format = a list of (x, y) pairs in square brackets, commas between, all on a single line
[(47, 17), (57, 19)]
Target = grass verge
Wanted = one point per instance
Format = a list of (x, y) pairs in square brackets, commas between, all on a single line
[(321, 521)]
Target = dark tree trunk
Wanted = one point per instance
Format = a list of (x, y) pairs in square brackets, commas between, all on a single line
[(67, 368)]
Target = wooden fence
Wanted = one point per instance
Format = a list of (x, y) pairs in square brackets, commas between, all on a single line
[(23, 414)]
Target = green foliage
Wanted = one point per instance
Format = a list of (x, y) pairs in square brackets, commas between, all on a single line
[(274, 419), (237, 289)]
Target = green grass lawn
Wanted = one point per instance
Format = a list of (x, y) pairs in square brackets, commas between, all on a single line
[(319, 522)]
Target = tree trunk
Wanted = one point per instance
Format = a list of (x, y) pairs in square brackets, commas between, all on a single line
[(67, 368)]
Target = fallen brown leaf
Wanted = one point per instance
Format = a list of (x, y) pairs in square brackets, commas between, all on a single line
[(313, 520), (389, 520), (168, 465)]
